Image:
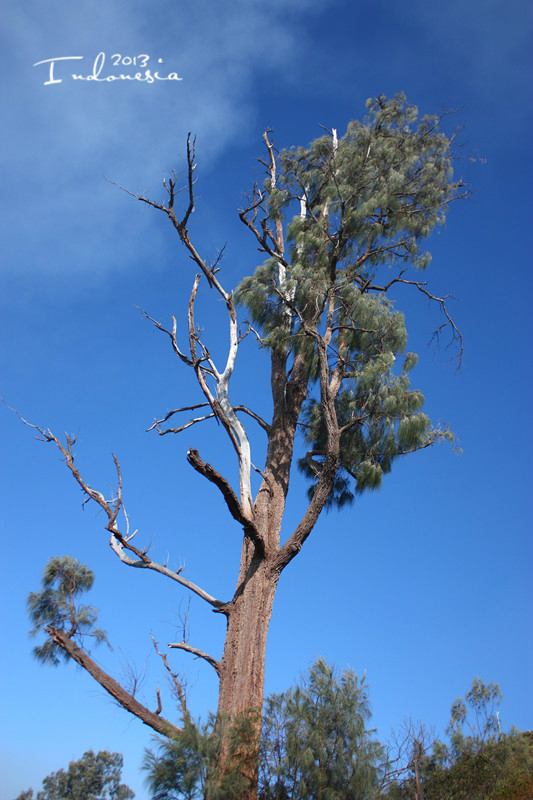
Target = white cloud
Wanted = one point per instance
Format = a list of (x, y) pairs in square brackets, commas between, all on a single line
[(61, 138)]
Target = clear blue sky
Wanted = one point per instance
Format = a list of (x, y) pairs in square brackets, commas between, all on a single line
[(425, 584)]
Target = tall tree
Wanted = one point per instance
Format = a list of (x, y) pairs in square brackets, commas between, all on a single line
[(340, 223), (93, 777)]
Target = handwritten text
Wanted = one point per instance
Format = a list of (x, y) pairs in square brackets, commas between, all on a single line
[(56, 67)]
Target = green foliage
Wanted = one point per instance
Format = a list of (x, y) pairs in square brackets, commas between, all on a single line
[(53, 608), (479, 762), (370, 200), (189, 767), (315, 745), (474, 721), (93, 777), (315, 742), (500, 768)]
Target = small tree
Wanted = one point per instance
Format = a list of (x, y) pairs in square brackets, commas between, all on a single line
[(315, 741), (191, 767), (53, 610), (340, 223), (475, 721), (479, 761), (93, 777)]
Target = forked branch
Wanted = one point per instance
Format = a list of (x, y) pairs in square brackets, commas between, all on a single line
[(201, 362), (456, 335), (177, 683)]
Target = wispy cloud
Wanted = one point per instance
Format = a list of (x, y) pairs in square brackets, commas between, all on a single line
[(60, 139)]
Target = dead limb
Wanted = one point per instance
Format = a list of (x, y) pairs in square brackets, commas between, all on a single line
[(120, 543), (177, 683), (234, 507), (198, 653)]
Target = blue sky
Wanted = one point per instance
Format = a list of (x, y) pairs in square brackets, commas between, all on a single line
[(425, 584)]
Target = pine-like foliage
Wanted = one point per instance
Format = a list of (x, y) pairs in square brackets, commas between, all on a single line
[(315, 741), (189, 767), (54, 608), (314, 744), (366, 203)]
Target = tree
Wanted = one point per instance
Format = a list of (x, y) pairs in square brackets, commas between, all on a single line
[(190, 766), (478, 762), (315, 742), (53, 610), (340, 222), (93, 777), (407, 754)]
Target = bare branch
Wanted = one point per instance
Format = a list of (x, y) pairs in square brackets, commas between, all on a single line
[(220, 404), (266, 427), (279, 240), (182, 427), (175, 411), (159, 708), (112, 687), (198, 653), (133, 678), (177, 683), (456, 335), (171, 333), (234, 507), (119, 541)]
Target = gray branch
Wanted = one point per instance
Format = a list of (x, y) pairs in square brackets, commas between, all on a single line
[(198, 653)]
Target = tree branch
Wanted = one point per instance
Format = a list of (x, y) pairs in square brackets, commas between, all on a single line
[(266, 427), (220, 404), (234, 507), (456, 335), (119, 541), (184, 427), (198, 653), (176, 411), (171, 333), (175, 679), (112, 687)]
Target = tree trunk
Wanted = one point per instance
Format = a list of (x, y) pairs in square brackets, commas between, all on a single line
[(242, 667), (242, 663)]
